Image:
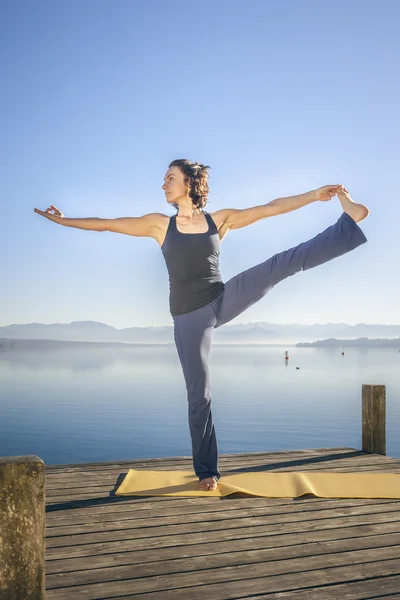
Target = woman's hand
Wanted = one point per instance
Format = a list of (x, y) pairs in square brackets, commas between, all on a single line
[(327, 192), (52, 213), (344, 194)]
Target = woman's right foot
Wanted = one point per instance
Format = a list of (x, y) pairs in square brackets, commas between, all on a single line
[(208, 485), (357, 212)]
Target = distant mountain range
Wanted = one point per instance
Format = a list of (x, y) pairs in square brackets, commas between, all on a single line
[(250, 333), (358, 343)]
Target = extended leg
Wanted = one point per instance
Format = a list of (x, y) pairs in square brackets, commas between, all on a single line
[(251, 285)]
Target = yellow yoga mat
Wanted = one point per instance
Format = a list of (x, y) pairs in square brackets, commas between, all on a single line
[(267, 485)]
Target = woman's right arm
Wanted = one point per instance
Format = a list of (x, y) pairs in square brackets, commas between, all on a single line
[(148, 225)]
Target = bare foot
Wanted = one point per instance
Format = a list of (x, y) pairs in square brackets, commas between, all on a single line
[(208, 485), (357, 212)]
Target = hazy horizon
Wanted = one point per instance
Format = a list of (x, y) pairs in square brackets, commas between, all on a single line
[(99, 98), (227, 325)]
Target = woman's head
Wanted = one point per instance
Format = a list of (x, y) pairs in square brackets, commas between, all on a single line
[(185, 179)]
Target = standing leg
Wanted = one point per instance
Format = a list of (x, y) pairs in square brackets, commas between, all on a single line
[(251, 285), (193, 334)]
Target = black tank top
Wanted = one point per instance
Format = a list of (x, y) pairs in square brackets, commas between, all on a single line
[(192, 261)]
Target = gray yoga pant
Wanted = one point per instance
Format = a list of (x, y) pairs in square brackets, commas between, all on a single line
[(193, 330)]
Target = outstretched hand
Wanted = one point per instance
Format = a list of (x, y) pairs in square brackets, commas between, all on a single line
[(328, 191), (50, 212)]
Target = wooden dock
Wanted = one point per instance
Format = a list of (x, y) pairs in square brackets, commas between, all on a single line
[(102, 546)]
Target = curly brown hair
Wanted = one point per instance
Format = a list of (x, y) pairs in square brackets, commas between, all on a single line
[(196, 175)]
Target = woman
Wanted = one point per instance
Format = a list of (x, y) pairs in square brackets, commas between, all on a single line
[(199, 300)]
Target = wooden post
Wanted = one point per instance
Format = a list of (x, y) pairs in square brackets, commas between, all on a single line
[(22, 528), (374, 419)]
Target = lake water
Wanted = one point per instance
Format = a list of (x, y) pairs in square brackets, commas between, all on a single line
[(101, 404)]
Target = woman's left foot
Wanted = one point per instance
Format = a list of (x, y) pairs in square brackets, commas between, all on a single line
[(208, 485), (357, 212)]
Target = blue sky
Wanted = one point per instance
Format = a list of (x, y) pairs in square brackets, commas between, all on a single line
[(278, 97)]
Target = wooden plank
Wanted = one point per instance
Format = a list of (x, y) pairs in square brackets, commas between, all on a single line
[(365, 549), (146, 512), (222, 456), (240, 580), (362, 536), (284, 454), (382, 588), (190, 523), (130, 570), (142, 539)]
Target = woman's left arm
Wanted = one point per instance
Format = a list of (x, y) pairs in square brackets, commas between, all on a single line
[(232, 218)]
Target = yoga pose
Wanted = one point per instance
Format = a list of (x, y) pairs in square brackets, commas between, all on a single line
[(199, 300)]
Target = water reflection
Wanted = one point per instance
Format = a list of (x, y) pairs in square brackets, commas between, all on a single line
[(86, 404)]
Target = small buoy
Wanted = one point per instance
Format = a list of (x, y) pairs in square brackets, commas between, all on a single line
[(287, 357), (342, 351), (297, 367)]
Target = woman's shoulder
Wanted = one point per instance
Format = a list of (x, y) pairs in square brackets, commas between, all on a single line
[(219, 216), (160, 223)]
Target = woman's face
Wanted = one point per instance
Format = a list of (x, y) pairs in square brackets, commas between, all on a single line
[(174, 186)]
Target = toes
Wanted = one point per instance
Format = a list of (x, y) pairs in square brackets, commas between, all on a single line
[(209, 486)]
